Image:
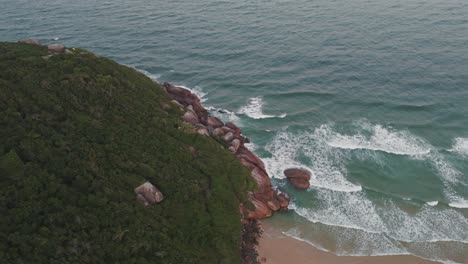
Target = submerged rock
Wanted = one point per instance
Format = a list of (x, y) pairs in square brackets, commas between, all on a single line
[(147, 194), (298, 177)]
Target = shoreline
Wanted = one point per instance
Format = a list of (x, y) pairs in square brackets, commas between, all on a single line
[(276, 248)]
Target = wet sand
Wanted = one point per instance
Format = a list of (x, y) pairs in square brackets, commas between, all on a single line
[(277, 248)]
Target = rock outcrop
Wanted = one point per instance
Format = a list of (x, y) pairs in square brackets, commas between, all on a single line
[(148, 194), (265, 200), (30, 41), (298, 177), (56, 48)]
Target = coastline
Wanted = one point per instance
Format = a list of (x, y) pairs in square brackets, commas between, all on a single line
[(277, 248)]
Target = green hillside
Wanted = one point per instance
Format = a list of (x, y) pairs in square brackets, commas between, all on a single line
[(77, 134)]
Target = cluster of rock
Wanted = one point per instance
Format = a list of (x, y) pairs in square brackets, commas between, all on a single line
[(52, 48), (265, 199), (299, 178)]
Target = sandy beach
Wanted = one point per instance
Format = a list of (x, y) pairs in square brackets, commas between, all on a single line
[(277, 248)]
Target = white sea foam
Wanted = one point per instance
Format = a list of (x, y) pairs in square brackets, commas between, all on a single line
[(197, 90), (251, 146), (380, 139), (295, 233), (385, 247), (460, 203), (372, 137), (152, 76), (371, 229), (450, 175), (327, 166), (460, 146), (254, 109), (225, 115), (356, 211)]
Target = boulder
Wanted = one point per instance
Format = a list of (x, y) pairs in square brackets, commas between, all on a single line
[(190, 108), (298, 177), (284, 200), (274, 204), (177, 103), (232, 149), (235, 144), (218, 132), (176, 90), (30, 41), (228, 137), (203, 131), (214, 122), (250, 157), (234, 128), (227, 129), (56, 48), (231, 125), (191, 118), (148, 194)]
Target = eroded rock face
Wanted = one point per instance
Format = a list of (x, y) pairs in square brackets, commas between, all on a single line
[(261, 178), (56, 48), (147, 194), (298, 177), (261, 209)]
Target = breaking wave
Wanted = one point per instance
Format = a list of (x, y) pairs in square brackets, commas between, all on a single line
[(380, 138), (254, 109), (460, 146), (327, 166)]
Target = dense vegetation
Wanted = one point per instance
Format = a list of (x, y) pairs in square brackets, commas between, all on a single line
[(77, 134)]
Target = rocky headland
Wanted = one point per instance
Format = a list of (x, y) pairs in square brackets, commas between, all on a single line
[(100, 147), (265, 200)]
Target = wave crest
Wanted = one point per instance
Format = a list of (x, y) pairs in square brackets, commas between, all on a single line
[(254, 109), (379, 138)]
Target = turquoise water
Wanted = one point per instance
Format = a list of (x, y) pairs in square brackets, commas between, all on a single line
[(370, 96)]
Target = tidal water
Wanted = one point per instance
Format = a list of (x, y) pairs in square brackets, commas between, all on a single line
[(370, 95)]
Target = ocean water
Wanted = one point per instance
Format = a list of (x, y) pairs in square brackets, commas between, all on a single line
[(370, 96)]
